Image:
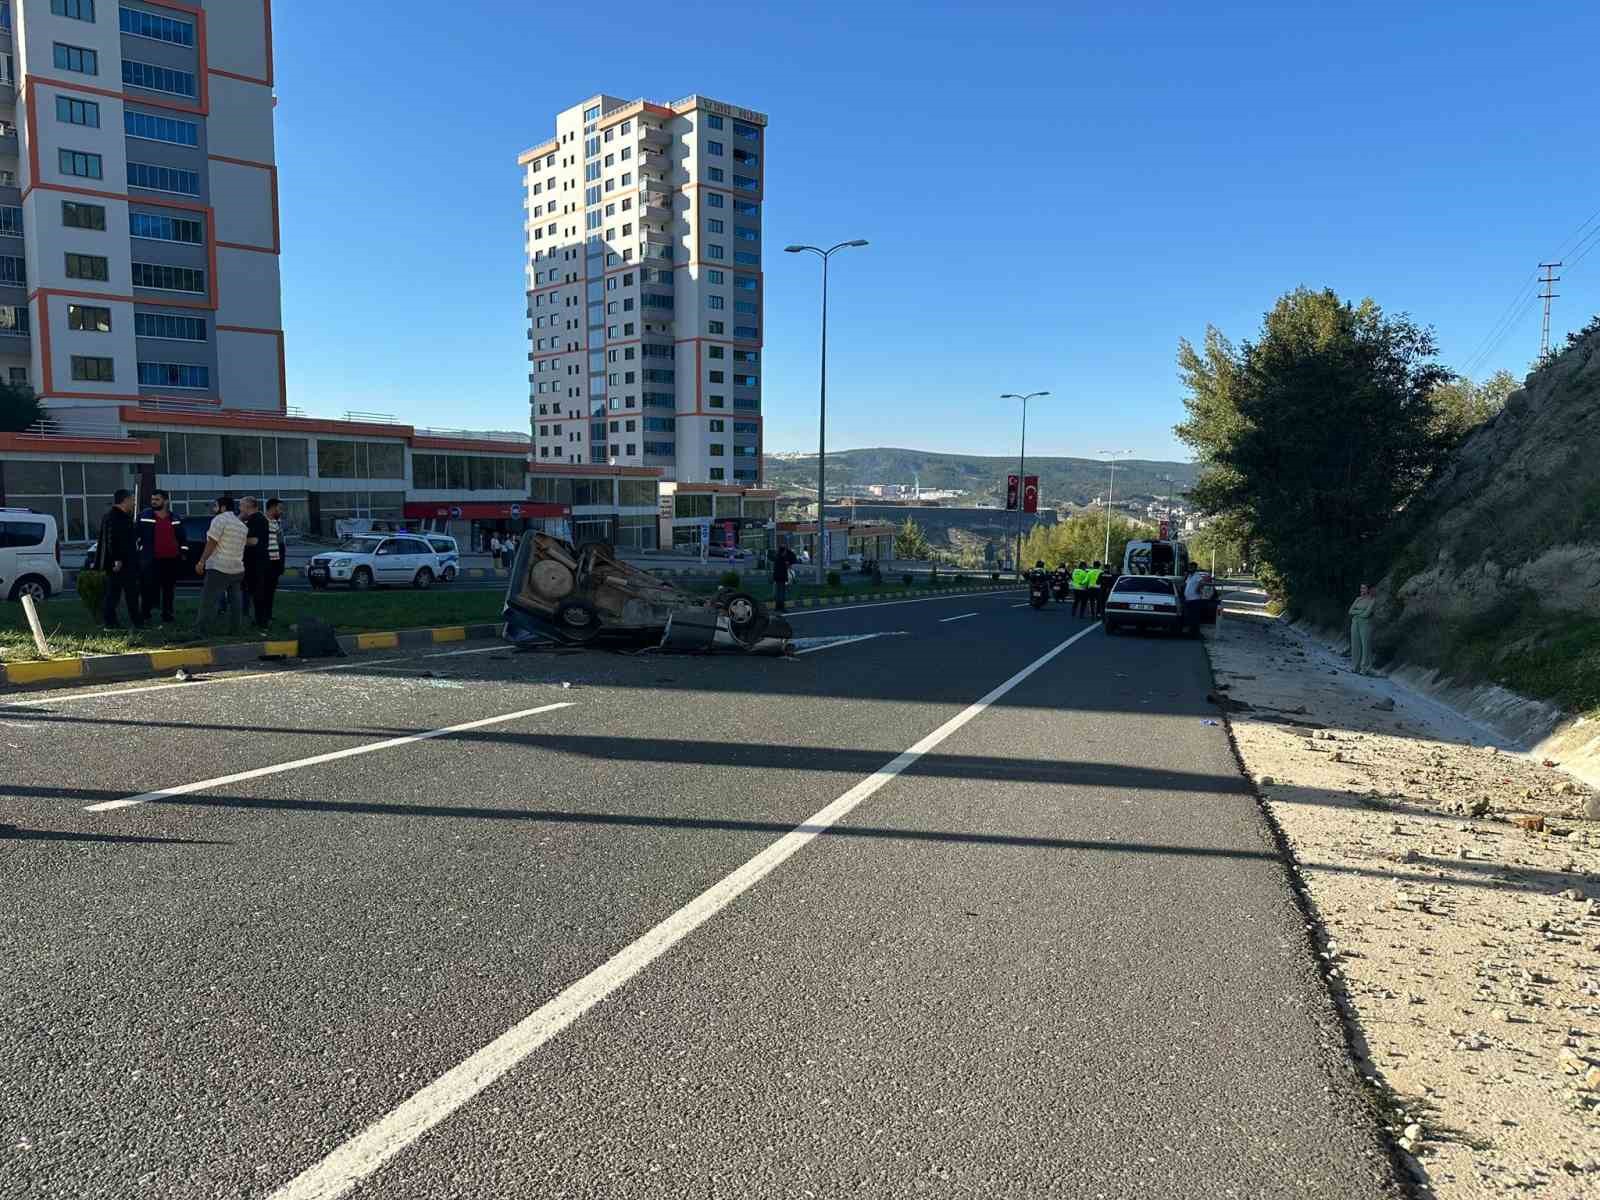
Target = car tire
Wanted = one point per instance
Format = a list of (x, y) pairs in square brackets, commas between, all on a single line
[(449, 575), (31, 585), (577, 619), (360, 580), (747, 617), (423, 580), (1110, 627)]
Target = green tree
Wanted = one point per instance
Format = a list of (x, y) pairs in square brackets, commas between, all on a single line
[(19, 408), (911, 543), (1460, 405), (1312, 437), (1081, 539)]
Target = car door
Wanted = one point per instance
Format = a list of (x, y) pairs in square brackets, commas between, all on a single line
[(389, 562), (417, 555)]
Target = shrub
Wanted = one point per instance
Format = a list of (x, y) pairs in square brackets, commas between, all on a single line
[(877, 576), (994, 576), (963, 577), (834, 579), (729, 579), (92, 591), (907, 580)]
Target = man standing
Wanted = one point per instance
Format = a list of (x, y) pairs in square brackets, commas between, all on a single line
[(267, 593), (119, 559), (781, 562), (1094, 590), (1080, 588), (1361, 630), (257, 533), (1193, 599), (1108, 580), (160, 556), (494, 549), (222, 565)]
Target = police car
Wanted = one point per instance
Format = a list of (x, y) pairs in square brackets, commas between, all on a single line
[(376, 559)]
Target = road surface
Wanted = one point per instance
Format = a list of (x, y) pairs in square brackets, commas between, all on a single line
[(976, 904)]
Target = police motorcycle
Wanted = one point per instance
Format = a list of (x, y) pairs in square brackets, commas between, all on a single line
[(1039, 585), (1061, 585)]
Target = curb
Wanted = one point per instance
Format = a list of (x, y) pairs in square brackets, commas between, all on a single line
[(902, 594), (156, 662)]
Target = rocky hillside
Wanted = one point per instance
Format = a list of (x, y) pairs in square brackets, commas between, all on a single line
[(1497, 572)]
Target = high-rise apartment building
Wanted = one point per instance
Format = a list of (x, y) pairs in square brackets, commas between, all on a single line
[(643, 236), (139, 203)]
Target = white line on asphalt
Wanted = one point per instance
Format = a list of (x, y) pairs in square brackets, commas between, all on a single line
[(962, 617), (813, 612), (186, 789), (166, 687), (830, 643), (362, 1155)]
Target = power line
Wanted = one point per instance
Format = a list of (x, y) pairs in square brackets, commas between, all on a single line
[(1504, 324), (1549, 279)]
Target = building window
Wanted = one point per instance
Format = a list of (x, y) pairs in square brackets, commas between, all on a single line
[(163, 179), (713, 250), (14, 319), (746, 158), (748, 308), (713, 121), (747, 258), (714, 149), (10, 221), (88, 266), (591, 114), (717, 426), (718, 474), (748, 332), (88, 318), (747, 234), (747, 208), (159, 29), (78, 10), (714, 327), (77, 112), (753, 132), (174, 375), (746, 182), (166, 229), (168, 279), (13, 270), (159, 129), (713, 199), (92, 370), (81, 164), (76, 58), (157, 79), (77, 215), (717, 377), (713, 225), (716, 449), (175, 329), (715, 302), (715, 352), (714, 174), (713, 276)]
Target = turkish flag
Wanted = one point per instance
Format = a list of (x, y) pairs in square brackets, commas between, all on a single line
[(1011, 492), (1030, 494)]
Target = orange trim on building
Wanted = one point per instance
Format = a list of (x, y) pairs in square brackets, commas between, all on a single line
[(283, 364), (45, 443), (272, 185)]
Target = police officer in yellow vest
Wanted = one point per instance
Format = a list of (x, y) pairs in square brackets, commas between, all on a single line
[(1094, 589), (1080, 589)]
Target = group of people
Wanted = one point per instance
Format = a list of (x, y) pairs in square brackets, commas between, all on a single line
[(504, 549), (1090, 587), (142, 558)]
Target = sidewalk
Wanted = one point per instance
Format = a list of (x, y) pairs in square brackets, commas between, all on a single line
[(1453, 883)]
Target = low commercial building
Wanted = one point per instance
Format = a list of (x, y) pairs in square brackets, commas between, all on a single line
[(332, 475), (871, 541), (732, 515)]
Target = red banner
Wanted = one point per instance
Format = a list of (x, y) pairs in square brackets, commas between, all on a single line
[(1030, 494), (1011, 492)]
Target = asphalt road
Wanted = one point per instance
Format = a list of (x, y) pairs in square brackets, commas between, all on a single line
[(717, 927)]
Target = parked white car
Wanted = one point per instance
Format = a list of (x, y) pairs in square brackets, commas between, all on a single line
[(1143, 602), (363, 562), (30, 554), (449, 554)]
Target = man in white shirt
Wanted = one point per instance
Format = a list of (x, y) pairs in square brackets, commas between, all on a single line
[(222, 565), (1193, 599)]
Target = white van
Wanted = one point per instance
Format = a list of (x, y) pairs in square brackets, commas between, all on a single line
[(1165, 559), (30, 554)]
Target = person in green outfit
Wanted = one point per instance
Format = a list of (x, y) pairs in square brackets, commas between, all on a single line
[(1361, 630)]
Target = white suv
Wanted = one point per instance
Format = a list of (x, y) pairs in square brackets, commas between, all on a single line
[(376, 558), (30, 554), (449, 554)]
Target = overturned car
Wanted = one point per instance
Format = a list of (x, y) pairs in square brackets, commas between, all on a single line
[(561, 594)]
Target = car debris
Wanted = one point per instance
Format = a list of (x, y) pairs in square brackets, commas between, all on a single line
[(586, 596)]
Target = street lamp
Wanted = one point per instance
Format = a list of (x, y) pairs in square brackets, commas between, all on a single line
[(1111, 488), (822, 407), (1022, 464)]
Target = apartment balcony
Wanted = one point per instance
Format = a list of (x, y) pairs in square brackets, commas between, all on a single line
[(654, 136), (653, 237), (655, 206), (654, 160)]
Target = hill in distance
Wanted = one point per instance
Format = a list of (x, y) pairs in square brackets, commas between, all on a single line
[(1061, 480)]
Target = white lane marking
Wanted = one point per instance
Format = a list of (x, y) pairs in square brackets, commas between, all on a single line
[(812, 645), (190, 686), (186, 789), (837, 608), (362, 1155), (479, 650), (962, 617)]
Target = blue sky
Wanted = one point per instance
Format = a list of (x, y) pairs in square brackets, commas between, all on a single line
[(1054, 193)]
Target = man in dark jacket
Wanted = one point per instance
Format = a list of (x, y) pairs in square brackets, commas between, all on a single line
[(781, 562), (119, 559), (258, 535), (160, 556), (272, 568)]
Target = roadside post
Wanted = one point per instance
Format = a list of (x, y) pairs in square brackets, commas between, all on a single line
[(33, 623)]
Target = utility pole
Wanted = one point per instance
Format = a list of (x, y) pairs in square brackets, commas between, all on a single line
[(1547, 279)]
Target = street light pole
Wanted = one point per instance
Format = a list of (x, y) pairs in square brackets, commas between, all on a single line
[(1022, 465), (1111, 489), (822, 405)]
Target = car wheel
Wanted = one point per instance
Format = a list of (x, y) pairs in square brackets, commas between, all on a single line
[(424, 580), (746, 617), (577, 619), (1110, 627), (361, 580), (33, 586), (449, 575)]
